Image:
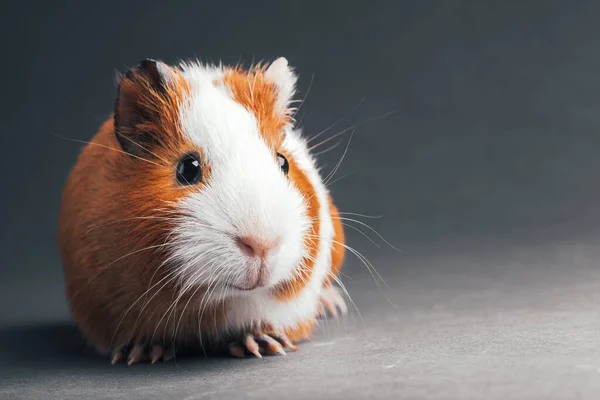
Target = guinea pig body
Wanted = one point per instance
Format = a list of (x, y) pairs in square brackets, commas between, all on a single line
[(197, 215)]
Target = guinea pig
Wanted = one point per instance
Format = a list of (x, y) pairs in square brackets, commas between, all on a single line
[(197, 216)]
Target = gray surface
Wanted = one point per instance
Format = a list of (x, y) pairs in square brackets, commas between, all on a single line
[(486, 174), (524, 327)]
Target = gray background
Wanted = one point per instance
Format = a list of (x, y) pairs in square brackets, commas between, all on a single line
[(485, 174)]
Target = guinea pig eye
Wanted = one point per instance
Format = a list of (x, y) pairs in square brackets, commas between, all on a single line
[(189, 170), (283, 163)]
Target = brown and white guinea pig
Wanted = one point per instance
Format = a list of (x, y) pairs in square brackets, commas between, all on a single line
[(197, 215)]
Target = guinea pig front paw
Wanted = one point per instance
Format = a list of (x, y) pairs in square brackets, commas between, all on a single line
[(142, 353), (261, 344), (331, 300)]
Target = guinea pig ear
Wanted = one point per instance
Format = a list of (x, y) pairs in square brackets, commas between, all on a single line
[(282, 75), (133, 107)]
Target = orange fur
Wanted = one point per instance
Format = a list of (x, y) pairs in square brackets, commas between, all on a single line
[(114, 220), (301, 332), (258, 95)]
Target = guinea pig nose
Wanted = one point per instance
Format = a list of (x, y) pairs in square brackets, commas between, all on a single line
[(255, 247)]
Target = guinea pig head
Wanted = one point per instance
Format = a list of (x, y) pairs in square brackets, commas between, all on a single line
[(210, 149)]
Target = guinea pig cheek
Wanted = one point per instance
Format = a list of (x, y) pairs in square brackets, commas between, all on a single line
[(290, 255)]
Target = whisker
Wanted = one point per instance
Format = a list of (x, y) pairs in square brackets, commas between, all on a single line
[(312, 77), (171, 309), (140, 146), (372, 270), (368, 227), (124, 220), (184, 308), (135, 302), (333, 125), (107, 147), (362, 233), (351, 127), (360, 215), (206, 298), (370, 267), (174, 275), (328, 149), (338, 179), (168, 311), (103, 269), (343, 287), (337, 166)]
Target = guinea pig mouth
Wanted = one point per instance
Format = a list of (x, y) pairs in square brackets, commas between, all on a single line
[(256, 276), (243, 289)]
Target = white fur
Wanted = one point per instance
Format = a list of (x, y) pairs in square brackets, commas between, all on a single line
[(288, 314), (247, 194), (280, 73)]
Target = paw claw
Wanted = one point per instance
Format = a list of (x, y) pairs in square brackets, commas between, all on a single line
[(285, 341), (237, 350), (117, 356), (273, 345), (262, 344), (252, 346), (136, 354), (141, 352), (331, 300), (156, 353), (321, 311)]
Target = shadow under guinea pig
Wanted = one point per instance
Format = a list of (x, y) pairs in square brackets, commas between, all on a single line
[(61, 348)]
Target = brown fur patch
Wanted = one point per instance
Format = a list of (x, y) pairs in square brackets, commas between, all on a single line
[(152, 111)]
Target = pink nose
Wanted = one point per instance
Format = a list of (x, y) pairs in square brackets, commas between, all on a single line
[(255, 247)]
